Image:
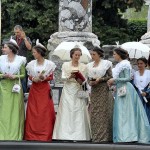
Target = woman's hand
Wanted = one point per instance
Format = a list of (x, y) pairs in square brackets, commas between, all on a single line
[(9, 76), (41, 77), (12, 77), (91, 83), (79, 81), (143, 94), (6, 75), (110, 82), (72, 76), (36, 79)]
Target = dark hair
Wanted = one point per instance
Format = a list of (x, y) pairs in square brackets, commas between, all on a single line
[(89, 45), (13, 47), (41, 50), (99, 51), (73, 50), (148, 62), (144, 60), (121, 52)]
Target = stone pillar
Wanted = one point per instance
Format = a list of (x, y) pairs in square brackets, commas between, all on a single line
[(148, 18), (0, 22), (75, 15), (75, 24), (145, 39)]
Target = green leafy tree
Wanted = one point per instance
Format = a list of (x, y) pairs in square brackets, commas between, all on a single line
[(39, 18), (108, 23)]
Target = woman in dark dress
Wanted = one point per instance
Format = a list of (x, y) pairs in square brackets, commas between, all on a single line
[(99, 72)]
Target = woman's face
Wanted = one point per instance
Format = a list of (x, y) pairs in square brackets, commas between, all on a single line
[(116, 56), (94, 55), (76, 55), (35, 54), (6, 50), (141, 65)]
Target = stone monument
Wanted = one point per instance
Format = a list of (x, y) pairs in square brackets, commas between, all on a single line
[(75, 24), (145, 39)]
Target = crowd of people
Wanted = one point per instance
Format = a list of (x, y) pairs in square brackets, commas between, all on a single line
[(103, 115)]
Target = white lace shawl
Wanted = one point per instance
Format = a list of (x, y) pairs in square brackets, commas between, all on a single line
[(11, 67), (34, 69), (124, 64), (142, 81), (100, 70)]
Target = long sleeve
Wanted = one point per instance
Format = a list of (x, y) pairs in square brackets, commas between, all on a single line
[(65, 76), (108, 75), (126, 78), (1, 75), (49, 78), (21, 75)]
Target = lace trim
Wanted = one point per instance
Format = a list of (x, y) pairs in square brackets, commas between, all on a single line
[(11, 67), (120, 67)]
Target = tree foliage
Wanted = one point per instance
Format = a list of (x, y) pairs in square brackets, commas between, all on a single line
[(39, 18)]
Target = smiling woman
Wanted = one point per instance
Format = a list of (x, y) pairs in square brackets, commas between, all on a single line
[(12, 68), (72, 121), (40, 115)]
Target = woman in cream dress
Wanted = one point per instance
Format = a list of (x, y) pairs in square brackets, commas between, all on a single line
[(72, 121)]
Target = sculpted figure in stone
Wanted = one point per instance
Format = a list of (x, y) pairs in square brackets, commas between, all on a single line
[(74, 15)]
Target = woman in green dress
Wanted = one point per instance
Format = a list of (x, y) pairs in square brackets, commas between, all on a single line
[(11, 104)]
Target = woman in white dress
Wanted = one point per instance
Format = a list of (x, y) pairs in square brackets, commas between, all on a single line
[(72, 121), (141, 82)]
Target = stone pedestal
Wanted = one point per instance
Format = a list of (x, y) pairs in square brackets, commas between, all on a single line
[(145, 39), (75, 24)]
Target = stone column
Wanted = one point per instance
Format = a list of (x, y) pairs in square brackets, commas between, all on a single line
[(0, 22), (75, 15), (145, 39), (148, 18), (75, 24)]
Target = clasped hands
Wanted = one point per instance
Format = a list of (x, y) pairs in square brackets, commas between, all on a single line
[(9, 76), (95, 82), (110, 82), (39, 78)]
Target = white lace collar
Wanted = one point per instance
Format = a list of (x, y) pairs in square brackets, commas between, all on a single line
[(47, 68), (124, 64), (7, 67), (142, 81), (100, 70)]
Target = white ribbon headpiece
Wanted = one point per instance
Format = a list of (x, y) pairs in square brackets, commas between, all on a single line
[(39, 44), (13, 41)]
